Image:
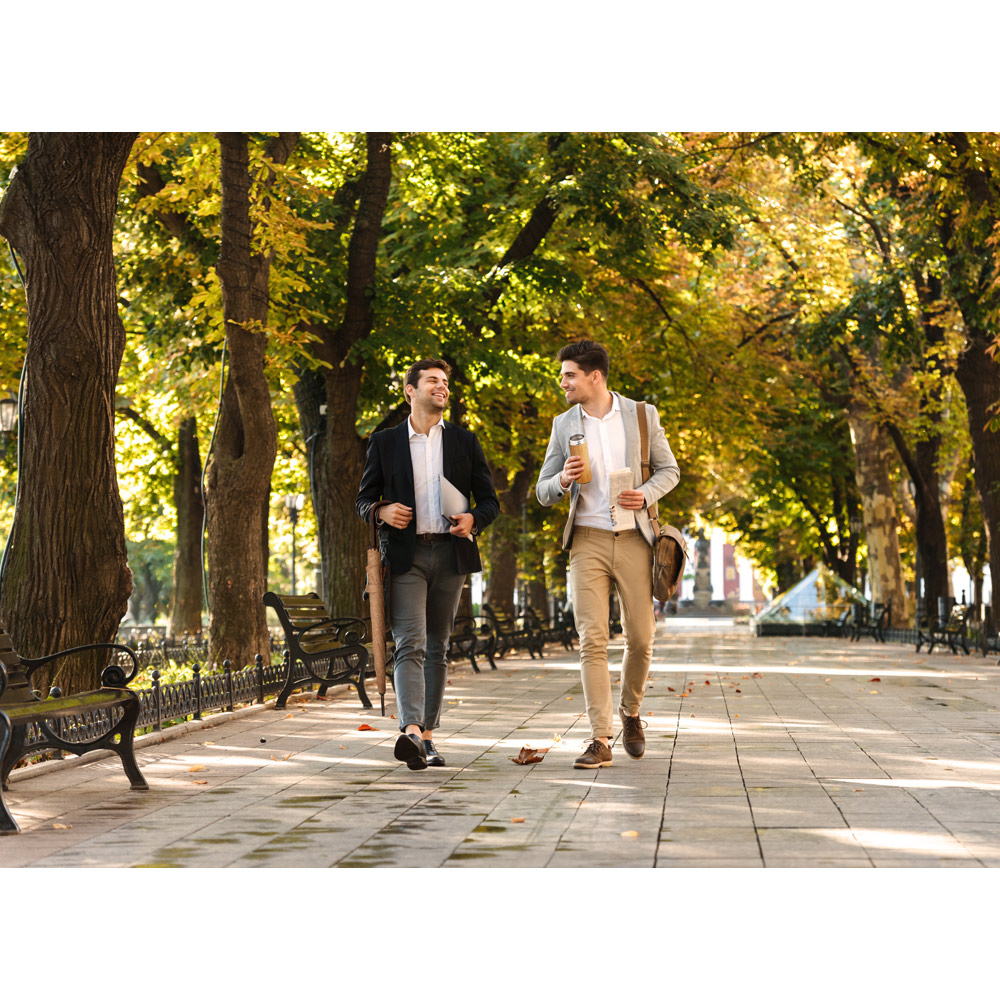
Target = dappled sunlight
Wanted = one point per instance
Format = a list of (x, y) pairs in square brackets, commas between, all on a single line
[(930, 844), (587, 784), (919, 783)]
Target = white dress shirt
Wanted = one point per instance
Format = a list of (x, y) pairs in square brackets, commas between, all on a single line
[(606, 445), (427, 458)]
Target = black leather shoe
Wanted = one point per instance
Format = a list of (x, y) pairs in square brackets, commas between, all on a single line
[(434, 759), (633, 737), (410, 748)]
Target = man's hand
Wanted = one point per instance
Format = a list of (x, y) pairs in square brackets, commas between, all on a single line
[(396, 515), (631, 500), (462, 525), (571, 472)]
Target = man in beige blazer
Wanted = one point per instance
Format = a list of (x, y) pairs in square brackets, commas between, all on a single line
[(601, 554)]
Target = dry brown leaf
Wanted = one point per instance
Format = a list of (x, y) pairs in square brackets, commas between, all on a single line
[(517, 819), (287, 755), (529, 755), (197, 767), (875, 680), (200, 781), (365, 728), (671, 689), (62, 826)]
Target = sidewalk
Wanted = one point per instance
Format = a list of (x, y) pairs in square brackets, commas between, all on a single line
[(770, 752)]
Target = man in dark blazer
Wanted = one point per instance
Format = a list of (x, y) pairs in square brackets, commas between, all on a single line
[(429, 554)]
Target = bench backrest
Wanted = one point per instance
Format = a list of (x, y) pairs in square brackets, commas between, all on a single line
[(298, 612), (18, 689)]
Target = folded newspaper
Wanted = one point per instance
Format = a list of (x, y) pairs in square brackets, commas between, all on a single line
[(622, 519)]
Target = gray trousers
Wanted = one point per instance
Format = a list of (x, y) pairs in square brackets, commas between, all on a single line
[(423, 602)]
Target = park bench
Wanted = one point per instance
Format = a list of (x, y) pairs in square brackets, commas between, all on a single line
[(550, 629), (513, 633), (950, 630), (838, 625), (471, 637), (871, 620), (30, 725), (332, 650)]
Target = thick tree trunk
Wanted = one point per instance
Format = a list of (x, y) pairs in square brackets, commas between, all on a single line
[(505, 534), (871, 451), (66, 581), (979, 376), (238, 473), (185, 611), (338, 452)]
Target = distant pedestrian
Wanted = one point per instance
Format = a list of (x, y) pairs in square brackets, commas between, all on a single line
[(600, 554)]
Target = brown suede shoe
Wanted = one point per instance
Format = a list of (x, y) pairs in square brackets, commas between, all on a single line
[(597, 754), (633, 737)]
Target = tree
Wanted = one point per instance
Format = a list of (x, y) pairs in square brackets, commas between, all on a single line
[(238, 473), (66, 581)]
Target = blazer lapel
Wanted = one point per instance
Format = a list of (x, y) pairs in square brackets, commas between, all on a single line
[(404, 464)]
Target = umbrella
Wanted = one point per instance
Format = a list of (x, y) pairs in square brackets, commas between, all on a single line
[(376, 603)]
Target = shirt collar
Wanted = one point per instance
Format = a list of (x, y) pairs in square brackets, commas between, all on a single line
[(435, 428), (615, 408)]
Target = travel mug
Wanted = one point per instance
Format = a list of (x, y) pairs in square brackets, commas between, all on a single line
[(578, 446)]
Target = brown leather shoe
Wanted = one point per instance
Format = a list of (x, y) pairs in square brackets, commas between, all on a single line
[(633, 737), (597, 754)]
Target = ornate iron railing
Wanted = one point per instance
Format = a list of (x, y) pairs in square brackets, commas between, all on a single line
[(162, 704)]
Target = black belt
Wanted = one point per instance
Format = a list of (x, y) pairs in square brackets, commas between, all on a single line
[(432, 536)]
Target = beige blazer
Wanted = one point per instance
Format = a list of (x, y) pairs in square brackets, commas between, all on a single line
[(665, 475)]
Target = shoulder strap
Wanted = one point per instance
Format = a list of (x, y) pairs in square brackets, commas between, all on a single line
[(647, 470)]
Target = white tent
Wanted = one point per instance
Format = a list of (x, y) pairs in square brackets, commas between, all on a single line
[(819, 597)]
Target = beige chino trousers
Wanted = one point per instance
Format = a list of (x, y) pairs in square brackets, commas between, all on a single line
[(599, 559)]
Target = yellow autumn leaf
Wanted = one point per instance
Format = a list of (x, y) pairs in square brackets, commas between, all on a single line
[(197, 767), (630, 833), (62, 826)]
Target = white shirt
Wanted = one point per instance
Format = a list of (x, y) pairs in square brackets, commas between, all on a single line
[(427, 458), (606, 445)]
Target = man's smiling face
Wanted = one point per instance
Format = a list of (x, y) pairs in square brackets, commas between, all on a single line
[(431, 391), (578, 385)]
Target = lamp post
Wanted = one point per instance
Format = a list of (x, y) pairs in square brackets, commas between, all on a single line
[(8, 420), (293, 504)]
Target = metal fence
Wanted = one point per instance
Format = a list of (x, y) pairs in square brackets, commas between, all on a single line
[(162, 704)]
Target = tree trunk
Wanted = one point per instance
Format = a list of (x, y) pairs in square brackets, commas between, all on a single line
[(338, 453), (238, 473), (185, 611), (979, 376), (871, 451), (66, 581)]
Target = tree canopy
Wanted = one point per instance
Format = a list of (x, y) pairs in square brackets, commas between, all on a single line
[(813, 314)]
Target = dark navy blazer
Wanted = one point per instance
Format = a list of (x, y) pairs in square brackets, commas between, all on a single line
[(388, 477)]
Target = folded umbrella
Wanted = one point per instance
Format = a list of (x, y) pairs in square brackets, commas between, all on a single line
[(376, 603)]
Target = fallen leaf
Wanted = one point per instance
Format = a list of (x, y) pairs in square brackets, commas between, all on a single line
[(62, 826), (556, 738), (875, 680), (343, 746), (670, 689), (529, 755), (365, 728), (201, 781), (209, 744), (291, 715), (739, 691), (873, 691), (197, 767), (649, 713), (737, 715), (447, 682), (708, 682), (287, 755), (630, 833), (517, 819), (569, 697)]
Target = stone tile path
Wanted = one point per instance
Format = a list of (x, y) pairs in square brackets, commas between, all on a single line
[(761, 752)]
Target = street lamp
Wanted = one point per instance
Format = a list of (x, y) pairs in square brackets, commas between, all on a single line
[(293, 504), (8, 420)]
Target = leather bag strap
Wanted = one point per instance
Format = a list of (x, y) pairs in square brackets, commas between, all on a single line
[(647, 469)]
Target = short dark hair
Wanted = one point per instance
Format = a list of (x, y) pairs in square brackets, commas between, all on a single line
[(412, 376), (589, 355)]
